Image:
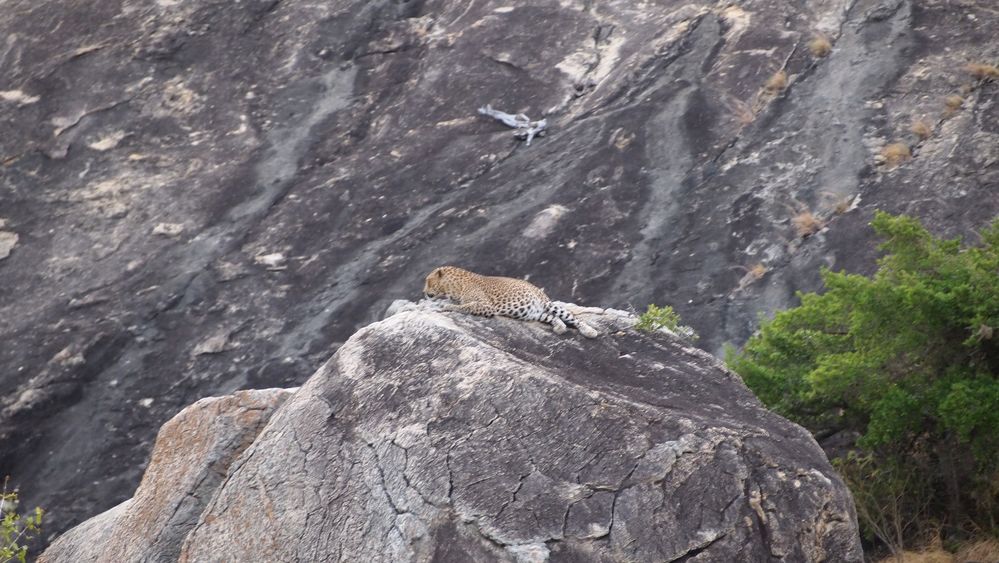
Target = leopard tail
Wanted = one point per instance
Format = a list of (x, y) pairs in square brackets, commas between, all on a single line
[(555, 310)]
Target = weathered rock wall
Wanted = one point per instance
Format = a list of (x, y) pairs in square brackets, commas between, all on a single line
[(433, 437), (198, 197)]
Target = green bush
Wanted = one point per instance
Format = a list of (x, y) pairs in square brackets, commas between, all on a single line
[(16, 531), (658, 318), (906, 359)]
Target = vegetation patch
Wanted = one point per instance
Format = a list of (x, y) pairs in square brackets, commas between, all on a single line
[(777, 82), (806, 223), (907, 360), (757, 271), (819, 46), (16, 532), (952, 103), (894, 154), (982, 71), (921, 129), (657, 318)]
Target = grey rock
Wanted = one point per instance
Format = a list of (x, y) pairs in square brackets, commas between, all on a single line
[(87, 540), (403, 305), (193, 453), (341, 135), (436, 436)]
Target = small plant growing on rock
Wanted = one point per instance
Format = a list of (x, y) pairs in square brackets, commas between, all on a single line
[(776, 83), (741, 111), (807, 223), (16, 531), (982, 71), (842, 205), (752, 275), (838, 203), (952, 103), (757, 271), (894, 154), (657, 318), (819, 46), (921, 129)]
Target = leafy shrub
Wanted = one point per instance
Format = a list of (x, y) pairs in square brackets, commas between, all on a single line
[(16, 531), (657, 318), (906, 359)]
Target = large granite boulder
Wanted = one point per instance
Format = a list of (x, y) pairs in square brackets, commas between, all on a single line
[(444, 437), (191, 458)]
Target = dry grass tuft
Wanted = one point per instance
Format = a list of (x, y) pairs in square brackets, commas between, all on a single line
[(921, 129), (752, 275), (953, 103), (842, 204), (741, 111), (984, 551), (757, 271), (806, 223), (820, 46), (982, 71), (934, 555), (777, 82), (895, 153), (981, 550), (838, 203)]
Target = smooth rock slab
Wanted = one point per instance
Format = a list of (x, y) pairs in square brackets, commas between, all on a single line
[(444, 437), (192, 454)]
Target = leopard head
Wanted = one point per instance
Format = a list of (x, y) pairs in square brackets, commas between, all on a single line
[(440, 283)]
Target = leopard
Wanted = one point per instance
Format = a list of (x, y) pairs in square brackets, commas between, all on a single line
[(488, 296)]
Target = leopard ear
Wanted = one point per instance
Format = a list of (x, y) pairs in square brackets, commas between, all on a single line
[(440, 272)]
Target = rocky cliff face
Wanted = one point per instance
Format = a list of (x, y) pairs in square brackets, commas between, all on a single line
[(198, 197), (433, 437)]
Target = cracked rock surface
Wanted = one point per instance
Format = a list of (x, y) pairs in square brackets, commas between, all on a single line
[(200, 197), (443, 437)]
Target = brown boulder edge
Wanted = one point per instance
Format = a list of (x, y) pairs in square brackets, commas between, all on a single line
[(192, 455)]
